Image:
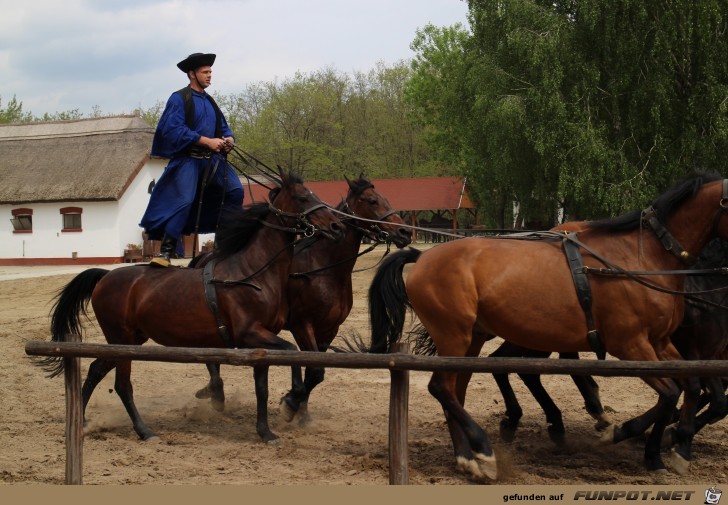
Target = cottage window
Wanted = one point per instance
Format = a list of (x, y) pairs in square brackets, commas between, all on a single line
[(71, 218), (22, 220)]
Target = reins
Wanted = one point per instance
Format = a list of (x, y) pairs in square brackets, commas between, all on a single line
[(351, 216), (307, 230)]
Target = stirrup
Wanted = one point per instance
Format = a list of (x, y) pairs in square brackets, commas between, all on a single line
[(160, 261)]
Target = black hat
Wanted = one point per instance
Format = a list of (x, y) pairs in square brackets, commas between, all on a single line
[(196, 60)]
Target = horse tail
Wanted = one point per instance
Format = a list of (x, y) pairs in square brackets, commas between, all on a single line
[(388, 301), (71, 303), (424, 345)]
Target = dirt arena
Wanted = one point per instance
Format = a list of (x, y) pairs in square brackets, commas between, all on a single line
[(345, 443)]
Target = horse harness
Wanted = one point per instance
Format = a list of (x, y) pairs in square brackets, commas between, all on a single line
[(583, 292), (572, 250), (209, 281)]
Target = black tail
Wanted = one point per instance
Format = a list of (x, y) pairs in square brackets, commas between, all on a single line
[(71, 303), (424, 345), (388, 300)]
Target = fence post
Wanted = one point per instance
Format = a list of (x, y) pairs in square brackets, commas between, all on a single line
[(398, 422), (74, 421)]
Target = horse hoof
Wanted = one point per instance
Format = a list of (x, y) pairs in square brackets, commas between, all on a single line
[(286, 411), (481, 467), (603, 421), (153, 439), (507, 434), (205, 392), (678, 463), (218, 405), (508, 429), (668, 437), (607, 437), (557, 435), (272, 440), (487, 465)]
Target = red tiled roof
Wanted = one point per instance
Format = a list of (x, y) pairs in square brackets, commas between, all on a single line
[(422, 193)]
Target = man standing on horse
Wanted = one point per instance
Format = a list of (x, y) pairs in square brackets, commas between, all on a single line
[(198, 183)]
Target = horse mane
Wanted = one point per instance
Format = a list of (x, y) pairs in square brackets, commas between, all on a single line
[(360, 185), (663, 205), (237, 227)]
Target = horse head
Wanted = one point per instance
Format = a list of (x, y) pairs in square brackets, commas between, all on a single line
[(297, 207), (365, 202)]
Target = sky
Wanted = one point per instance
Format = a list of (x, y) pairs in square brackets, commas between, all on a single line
[(120, 55)]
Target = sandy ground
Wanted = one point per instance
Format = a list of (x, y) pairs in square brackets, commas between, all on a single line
[(345, 443)]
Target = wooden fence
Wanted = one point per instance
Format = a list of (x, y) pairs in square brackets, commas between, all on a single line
[(399, 364)]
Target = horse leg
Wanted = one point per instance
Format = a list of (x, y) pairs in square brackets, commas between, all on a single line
[(304, 334), (658, 416), (214, 389), (717, 403), (291, 402), (460, 443), (476, 457), (260, 375), (589, 390), (124, 389), (680, 455), (514, 412), (96, 372), (554, 420), (314, 377), (265, 340)]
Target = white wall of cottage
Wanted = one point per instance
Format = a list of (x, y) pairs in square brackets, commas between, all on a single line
[(107, 227)]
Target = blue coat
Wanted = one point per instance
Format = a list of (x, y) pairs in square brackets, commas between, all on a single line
[(175, 200)]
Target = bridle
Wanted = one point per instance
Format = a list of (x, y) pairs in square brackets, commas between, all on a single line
[(373, 231), (649, 217), (302, 224)]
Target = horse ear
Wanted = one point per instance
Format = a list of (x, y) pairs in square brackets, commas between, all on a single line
[(282, 173), (352, 186)]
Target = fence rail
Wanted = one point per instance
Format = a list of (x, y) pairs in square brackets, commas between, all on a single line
[(399, 363)]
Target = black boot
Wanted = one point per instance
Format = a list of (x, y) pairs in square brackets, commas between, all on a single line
[(166, 251)]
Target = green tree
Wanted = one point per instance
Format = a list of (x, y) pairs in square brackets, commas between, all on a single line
[(151, 115), (13, 112), (327, 125), (587, 107)]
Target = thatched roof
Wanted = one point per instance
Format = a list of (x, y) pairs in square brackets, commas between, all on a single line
[(83, 160)]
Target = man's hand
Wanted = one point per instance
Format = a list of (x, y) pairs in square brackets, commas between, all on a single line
[(215, 145), (229, 143)]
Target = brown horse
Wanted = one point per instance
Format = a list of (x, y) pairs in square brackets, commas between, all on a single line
[(319, 289), (521, 288), (702, 335), (169, 305)]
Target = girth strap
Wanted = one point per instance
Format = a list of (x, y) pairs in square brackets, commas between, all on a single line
[(583, 293), (211, 297)]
